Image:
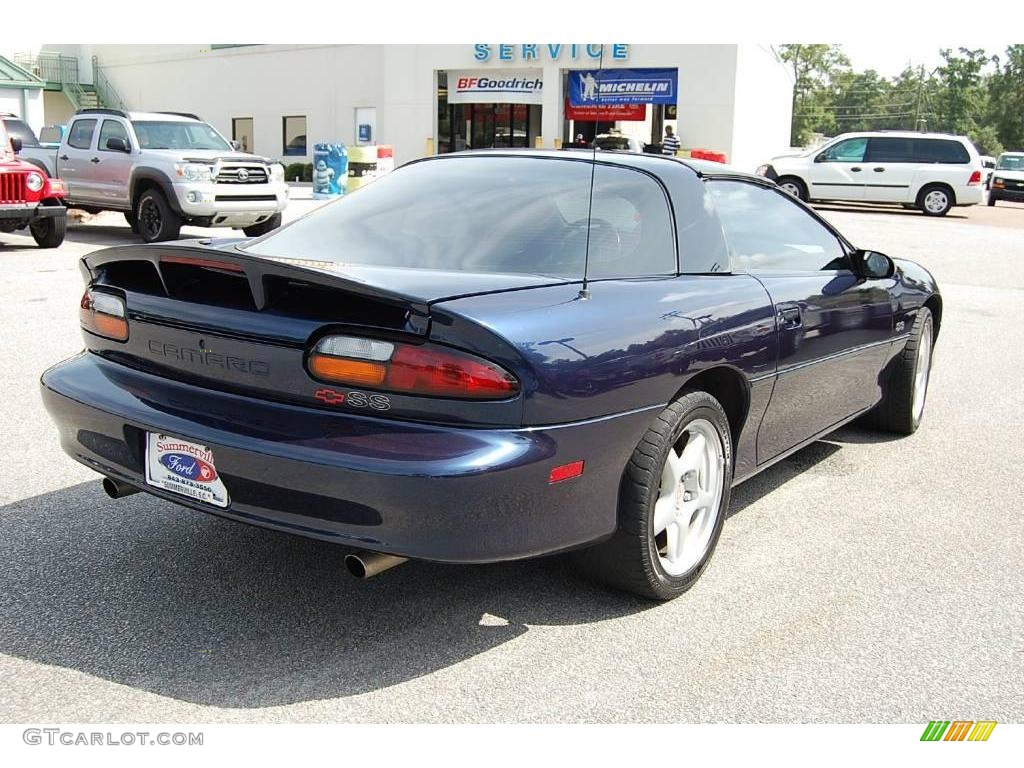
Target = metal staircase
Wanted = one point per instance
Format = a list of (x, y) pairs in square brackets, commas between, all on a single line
[(60, 73)]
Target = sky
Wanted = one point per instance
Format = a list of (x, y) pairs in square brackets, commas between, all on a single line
[(891, 60)]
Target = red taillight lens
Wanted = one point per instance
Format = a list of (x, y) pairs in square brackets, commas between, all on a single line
[(104, 314), (425, 370), (975, 178)]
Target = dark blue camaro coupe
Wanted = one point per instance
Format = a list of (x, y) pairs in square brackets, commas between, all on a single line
[(421, 370)]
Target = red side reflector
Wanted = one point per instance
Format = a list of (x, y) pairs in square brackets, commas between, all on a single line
[(196, 262), (975, 178), (566, 471)]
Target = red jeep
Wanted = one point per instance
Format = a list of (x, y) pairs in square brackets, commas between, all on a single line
[(29, 198)]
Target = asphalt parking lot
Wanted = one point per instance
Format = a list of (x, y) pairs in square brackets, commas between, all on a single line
[(865, 578)]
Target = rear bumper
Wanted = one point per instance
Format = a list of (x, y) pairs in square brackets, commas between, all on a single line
[(31, 212), (973, 195), (421, 491)]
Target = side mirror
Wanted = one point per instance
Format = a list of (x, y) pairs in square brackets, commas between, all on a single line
[(236, 145), (15, 144), (820, 158), (873, 265), (117, 144)]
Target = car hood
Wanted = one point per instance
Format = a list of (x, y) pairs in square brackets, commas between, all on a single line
[(204, 155), (1015, 175)]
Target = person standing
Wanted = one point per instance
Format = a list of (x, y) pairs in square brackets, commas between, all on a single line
[(670, 144)]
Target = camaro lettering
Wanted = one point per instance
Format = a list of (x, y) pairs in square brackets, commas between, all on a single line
[(209, 358)]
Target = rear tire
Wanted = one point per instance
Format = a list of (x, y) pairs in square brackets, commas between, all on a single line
[(671, 510), (935, 200), (793, 186), (155, 219), (49, 233), (258, 230), (906, 388)]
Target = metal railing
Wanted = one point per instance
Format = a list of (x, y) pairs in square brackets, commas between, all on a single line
[(106, 94), (52, 67)]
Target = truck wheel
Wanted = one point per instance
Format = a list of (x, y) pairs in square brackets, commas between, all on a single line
[(49, 233), (133, 222), (155, 219), (991, 199), (258, 230), (673, 501)]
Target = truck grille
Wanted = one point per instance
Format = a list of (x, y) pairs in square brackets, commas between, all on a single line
[(12, 188), (245, 174)]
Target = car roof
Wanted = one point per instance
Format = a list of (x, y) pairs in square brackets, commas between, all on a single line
[(902, 135), (653, 163), (1015, 154), (167, 117)]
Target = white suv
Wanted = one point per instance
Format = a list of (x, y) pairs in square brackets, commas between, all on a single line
[(928, 171)]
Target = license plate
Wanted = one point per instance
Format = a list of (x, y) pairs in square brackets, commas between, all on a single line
[(183, 467)]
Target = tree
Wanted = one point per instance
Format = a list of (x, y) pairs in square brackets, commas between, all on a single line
[(1006, 98), (813, 68)]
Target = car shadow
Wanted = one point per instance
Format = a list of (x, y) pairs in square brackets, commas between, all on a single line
[(147, 594), (150, 595)]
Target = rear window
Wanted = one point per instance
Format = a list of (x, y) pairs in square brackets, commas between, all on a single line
[(940, 151), (493, 215), (18, 129)]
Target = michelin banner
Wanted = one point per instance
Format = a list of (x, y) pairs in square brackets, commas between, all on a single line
[(623, 86), (496, 86)]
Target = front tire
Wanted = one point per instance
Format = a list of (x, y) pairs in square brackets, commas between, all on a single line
[(258, 230), (935, 200), (155, 219), (133, 222), (906, 388), (991, 200), (49, 233), (673, 501)]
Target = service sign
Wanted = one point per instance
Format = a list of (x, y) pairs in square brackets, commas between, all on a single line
[(623, 86), (495, 86)]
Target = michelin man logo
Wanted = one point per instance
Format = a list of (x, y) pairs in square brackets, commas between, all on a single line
[(588, 87), (322, 176)]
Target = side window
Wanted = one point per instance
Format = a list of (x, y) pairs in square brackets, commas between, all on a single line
[(112, 129), (630, 224), (849, 151), (940, 151), (890, 150), (81, 134), (769, 232)]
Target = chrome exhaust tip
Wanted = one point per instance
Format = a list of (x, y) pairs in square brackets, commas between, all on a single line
[(366, 565), (115, 489)]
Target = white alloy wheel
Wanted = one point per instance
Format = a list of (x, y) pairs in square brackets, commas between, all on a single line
[(936, 201), (689, 498)]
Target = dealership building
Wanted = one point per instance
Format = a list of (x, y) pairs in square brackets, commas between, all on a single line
[(281, 100)]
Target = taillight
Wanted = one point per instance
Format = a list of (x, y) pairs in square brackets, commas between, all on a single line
[(416, 370), (975, 178), (104, 315)]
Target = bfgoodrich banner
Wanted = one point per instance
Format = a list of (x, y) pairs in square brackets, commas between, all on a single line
[(623, 86), (489, 86)]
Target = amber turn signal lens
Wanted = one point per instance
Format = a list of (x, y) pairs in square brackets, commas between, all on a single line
[(354, 372), (104, 315)]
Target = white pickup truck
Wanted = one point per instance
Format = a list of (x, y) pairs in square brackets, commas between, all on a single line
[(163, 170)]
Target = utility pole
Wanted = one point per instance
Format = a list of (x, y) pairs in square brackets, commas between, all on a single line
[(918, 120)]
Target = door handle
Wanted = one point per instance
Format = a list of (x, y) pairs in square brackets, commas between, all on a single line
[(789, 316), (855, 169), (63, 157), (94, 160), (879, 170)]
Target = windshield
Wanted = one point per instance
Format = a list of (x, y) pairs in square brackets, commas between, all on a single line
[(1010, 163), (611, 142), (18, 129), (177, 134), (491, 214)]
